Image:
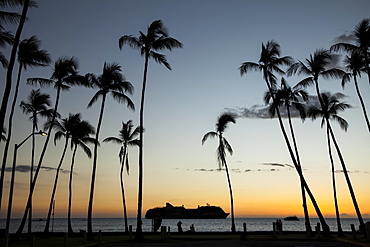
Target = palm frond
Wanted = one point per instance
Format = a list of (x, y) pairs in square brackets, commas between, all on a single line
[(210, 134), (248, 66), (133, 42), (160, 58), (96, 96), (113, 139), (123, 98), (227, 146)]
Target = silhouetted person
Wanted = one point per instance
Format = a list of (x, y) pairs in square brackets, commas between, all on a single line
[(192, 229), (179, 228)]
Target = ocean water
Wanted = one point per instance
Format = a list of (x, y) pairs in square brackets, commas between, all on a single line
[(200, 225)]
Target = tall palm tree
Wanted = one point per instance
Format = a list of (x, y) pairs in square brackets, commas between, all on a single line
[(268, 63), (223, 146), (63, 128), (354, 64), (329, 111), (291, 97), (156, 39), (362, 43), (127, 137), (113, 82), (64, 75), (80, 136), (17, 37), (36, 104), (29, 55)]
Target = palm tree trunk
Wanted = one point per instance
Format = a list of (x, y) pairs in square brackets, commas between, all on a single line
[(233, 230), (123, 189), (46, 229), (9, 71), (326, 229), (31, 173), (340, 231), (304, 201), (23, 222), (92, 187), (362, 103), (9, 134), (353, 196), (70, 230), (367, 64), (139, 230)]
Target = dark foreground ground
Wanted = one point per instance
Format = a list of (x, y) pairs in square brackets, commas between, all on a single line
[(289, 239)]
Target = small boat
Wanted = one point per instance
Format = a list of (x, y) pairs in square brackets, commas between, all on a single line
[(291, 218)]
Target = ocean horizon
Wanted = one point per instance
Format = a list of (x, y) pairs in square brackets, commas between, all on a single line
[(200, 225)]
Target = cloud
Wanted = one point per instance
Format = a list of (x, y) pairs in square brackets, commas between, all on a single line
[(355, 171), (278, 164), (26, 169), (344, 38)]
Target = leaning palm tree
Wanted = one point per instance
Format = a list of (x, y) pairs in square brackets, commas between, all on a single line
[(291, 97), (65, 74), (80, 136), (354, 64), (223, 146), (26, 5), (361, 43), (37, 104), (113, 82), (268, 63), (29, 55), (156, 39), (63, 128), (329, 111), (127, 137)]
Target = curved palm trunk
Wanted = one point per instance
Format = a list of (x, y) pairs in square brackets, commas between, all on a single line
[(70, 231), (362, 102), (233, 230), (9, 134), (340, 231), (123, 189), (9, 71), (367, 64), (139, 231), (304, 201), (92, 187), (349, 184), (326, 229), (23, 222), (46, 229)]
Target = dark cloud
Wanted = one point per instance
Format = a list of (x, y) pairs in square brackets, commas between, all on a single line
[(278, 164), (26, 169), (335, 62), (355, 171), (344, 38)]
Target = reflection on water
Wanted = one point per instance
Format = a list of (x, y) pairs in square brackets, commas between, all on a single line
[(200, 225)]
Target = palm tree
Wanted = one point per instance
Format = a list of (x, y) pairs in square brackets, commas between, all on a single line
[(80, 136), (5, 38), (329, 111), (362, 43), (29, 55), (268, 63), (127, 137), (9, 73), (3, 135), (223, 145), (354, 65), (110, 81), (36, 104), (64, 75), (63, 129), (291, 97), (156, 39)]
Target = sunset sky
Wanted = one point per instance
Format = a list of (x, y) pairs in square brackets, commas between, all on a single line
[(183, 104)]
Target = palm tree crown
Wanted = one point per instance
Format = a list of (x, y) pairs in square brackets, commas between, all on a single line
[(330, 109), (30, 55), (156, 39)]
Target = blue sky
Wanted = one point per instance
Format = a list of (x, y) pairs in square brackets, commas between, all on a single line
[(183, 104)]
